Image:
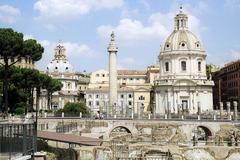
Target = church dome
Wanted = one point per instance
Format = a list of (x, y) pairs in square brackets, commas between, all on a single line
[(181, 38), (60, 63)]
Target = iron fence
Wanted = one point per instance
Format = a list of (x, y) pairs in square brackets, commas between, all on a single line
[(17, 139)]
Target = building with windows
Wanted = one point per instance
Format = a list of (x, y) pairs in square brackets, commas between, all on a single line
[(183, 85), (227, 84), (74, 83), (133, 86)]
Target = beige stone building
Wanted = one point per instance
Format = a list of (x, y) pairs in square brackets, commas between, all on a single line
[(133, 86), (22, 62)]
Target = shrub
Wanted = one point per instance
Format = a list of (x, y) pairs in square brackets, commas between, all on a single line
[(19, 111)]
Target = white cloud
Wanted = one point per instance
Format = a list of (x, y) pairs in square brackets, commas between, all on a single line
[(77, 50), (74, 51), (28, 36), (130, 31), (61, 10), (9, 14)]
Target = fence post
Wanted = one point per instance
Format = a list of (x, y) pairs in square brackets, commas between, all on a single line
[(235, 110), (62, 114), (165, 116), (214, 117), (80, 115), (228, 110), (24, 140), (199, 117), (221, 109)]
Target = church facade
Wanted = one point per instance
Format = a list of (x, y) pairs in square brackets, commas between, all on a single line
[(182, 86), (74, 83)]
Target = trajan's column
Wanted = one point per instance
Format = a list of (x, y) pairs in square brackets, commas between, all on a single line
[(112, 49)]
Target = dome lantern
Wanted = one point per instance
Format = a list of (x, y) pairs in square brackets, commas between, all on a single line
[(181, 20)]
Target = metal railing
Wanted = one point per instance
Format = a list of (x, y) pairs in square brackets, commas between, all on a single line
[(17, 139), (164, 117)]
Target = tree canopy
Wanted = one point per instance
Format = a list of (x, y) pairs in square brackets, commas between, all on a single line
[(74, 108), (12, 48), (22, 84)]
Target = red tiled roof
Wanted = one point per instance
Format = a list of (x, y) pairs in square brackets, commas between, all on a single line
[(69, 138)]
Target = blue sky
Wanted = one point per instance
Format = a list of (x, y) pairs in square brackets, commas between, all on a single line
[(141, 26)]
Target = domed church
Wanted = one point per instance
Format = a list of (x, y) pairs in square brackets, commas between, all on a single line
[(60, 68), (182, 86)]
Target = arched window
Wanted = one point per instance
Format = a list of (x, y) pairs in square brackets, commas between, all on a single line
[(166, 66), (183, 65), (141, 98), (199, 66)]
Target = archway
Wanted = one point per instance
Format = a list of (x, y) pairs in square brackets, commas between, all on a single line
[(201, 134), (120, 131)]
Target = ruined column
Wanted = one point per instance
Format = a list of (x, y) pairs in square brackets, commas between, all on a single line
[(235, 110), (228, 110), (169, 110), (221, 109), (199, 108)]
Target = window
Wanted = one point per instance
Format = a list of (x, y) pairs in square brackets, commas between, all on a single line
[(97, 96), (89, 96), (122, 96), (131, 79), (97, 75), (141, 98), (103, 75), (166, 66), (130, 96), (129, 103), (89, 103), (183, 66), (199, 66), (97, 103)]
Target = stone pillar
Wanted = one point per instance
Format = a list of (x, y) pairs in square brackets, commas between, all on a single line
[(112, 49), (179, 110), (199, 108), (228, 110), (235, 110), (221, 109), (169, 110)]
